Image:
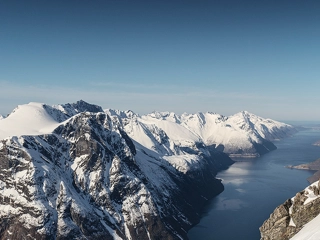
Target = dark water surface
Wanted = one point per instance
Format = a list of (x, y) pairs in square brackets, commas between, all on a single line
[(255, 187)]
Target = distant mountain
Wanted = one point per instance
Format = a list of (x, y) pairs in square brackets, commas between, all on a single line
[(37, 118), (241, 135), (74, 171)]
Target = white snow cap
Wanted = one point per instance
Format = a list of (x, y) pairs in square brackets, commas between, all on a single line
[(28, 119)]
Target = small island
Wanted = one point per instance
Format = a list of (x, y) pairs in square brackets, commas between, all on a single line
[(313, 166), (317, 143)]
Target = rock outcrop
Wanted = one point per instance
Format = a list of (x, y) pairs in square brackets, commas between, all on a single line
[(289, 218)]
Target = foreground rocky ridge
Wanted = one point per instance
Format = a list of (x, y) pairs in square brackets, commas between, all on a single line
[(291, 216)]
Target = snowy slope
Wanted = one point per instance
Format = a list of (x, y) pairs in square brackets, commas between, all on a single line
[(38, 118), (243, 134), (28, 119), (310, 231), (267, 128), (168, 140)]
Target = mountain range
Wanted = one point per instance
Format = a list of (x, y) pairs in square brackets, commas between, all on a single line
[(76, 171)]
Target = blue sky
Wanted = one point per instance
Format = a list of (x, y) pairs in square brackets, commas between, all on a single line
[(181, 56)]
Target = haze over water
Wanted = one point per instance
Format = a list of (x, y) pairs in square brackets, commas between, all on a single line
[(255, 187)]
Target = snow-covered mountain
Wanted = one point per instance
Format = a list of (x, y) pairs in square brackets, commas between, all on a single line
[(240, 135), (37, 118), (74, 171), (297, 219)]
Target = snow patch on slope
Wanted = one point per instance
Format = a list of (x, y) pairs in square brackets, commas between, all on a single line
[(310, 231), (238, 135), (28, 119)]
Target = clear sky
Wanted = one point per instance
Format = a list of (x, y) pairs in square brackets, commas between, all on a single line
[(165, 55)]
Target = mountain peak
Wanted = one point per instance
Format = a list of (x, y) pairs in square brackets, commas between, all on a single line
[(27, 119), (121, 114), (246, 113), (82, 106), (171, 116)]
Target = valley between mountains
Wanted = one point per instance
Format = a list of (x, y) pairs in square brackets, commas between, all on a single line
[(77, 171)]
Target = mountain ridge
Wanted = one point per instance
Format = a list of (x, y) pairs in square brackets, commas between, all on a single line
[(240, 135), (89, 173)]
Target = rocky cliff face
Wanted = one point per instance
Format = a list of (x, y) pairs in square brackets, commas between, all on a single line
[(290, 217), (88, 180)]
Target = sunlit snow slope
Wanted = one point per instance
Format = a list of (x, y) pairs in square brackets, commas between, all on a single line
[(28, 119), (240, 135), (310, 231)]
